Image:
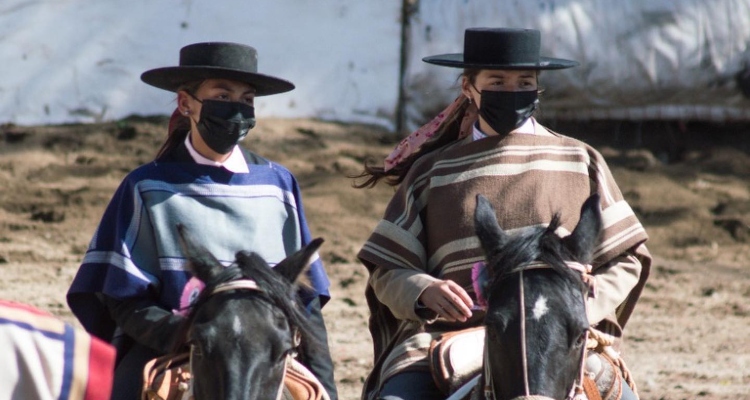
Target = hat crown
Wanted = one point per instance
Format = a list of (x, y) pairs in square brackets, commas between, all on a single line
[(233, 56), (501, 46)]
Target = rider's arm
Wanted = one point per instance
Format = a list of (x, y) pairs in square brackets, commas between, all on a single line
[(613, 283), (399, 289), (145, 322)]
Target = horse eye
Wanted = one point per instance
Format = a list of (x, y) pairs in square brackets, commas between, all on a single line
[(281, 355), (581, 340)]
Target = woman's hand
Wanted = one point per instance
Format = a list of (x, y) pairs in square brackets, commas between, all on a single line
[(449, 300)]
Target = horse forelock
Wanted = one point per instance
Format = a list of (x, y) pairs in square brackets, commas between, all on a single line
[(273, 290), (537, 244)]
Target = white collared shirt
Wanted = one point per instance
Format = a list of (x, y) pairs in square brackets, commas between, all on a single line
[(527, 128), (235, 163)]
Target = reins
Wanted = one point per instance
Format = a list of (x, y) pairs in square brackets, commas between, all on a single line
[(577, 391)]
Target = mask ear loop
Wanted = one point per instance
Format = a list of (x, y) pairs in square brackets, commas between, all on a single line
[(475, 88), (193, 96), (187, 112)]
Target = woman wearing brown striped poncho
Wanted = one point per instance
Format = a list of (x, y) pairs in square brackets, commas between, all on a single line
[(420, 254)]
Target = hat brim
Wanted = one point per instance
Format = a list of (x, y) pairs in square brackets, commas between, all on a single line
[(456, 60), (171, 78)]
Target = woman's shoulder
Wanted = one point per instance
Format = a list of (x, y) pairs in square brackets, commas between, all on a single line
[(143, 171), (157, 170), (257, 162), (264, 171), (570, 141), (590, 150), (252, 158), (433, 157)]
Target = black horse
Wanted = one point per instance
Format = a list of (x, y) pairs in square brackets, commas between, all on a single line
[(245, 322), (536, 325)]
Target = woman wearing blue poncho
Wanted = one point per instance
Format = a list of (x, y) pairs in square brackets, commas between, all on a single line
[(132, 275)]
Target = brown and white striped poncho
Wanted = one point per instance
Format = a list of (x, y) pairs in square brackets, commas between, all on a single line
[(428, 232)]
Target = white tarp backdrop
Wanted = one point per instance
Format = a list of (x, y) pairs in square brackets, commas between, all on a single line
[(80, 60), (640, 59)]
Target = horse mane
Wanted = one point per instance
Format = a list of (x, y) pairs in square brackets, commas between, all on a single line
[(280, 292), (544, 245), (274, 290)]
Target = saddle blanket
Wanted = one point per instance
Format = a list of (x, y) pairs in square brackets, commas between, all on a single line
[(45, 358)]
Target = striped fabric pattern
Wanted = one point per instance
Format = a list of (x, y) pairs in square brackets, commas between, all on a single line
[(45, 358), (135, 252), (429, 226)]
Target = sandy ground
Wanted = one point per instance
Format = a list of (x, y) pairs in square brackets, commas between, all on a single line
[(689, 337)]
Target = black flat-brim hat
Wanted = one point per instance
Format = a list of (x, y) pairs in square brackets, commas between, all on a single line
[(500, 48), (216, 60)]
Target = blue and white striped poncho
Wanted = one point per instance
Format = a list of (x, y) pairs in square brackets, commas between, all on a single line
[(135, 252)]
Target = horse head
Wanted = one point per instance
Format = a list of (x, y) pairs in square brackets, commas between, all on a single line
[(244, 323), (536, 303)]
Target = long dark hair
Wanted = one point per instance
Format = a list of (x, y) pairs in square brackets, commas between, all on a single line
[(446, 133), (179, 125)]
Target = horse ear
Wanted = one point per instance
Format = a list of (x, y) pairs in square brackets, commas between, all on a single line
[(292, 267), (585, 236), (248, 261), (491, 236), (201, 263)]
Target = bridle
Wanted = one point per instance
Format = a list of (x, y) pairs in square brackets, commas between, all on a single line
[(248, 284), (577, 391)]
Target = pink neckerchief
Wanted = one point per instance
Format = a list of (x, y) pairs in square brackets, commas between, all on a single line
[(411, 143)]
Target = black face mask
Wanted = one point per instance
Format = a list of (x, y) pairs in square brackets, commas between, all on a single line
[(506, 111), (224, 123)]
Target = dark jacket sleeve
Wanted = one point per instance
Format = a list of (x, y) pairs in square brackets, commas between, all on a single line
[(145, 322), (318, 358)]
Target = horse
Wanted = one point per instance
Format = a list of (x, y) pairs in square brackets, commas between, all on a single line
[(536, 323), (245, 325)]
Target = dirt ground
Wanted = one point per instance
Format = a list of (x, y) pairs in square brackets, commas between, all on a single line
[(688, 339)]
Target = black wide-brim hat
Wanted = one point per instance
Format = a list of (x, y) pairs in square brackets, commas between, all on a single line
[(500, 48), (216, 60)]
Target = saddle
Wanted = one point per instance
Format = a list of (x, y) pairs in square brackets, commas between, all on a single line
[(456, 357), (168, 378)]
